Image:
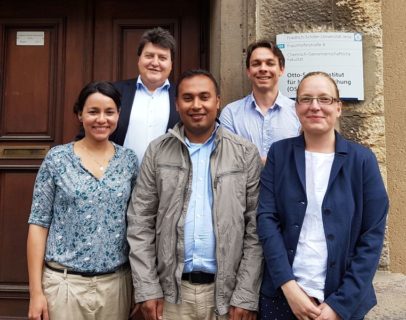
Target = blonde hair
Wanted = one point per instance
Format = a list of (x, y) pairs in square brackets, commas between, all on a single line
[(323, 74)]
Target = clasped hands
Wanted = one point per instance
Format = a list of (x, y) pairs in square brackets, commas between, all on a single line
[(305, 307)]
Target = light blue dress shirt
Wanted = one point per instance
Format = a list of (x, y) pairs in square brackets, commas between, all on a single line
[(149, 117), (244, 117), (200, 241)]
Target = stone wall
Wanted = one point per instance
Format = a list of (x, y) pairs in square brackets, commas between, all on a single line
[(394, 26)]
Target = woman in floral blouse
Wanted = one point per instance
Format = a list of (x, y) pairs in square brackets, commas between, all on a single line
[(78, 219)]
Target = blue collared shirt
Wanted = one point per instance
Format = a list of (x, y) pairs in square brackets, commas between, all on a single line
[(200, 241), (244, 117), (149, 117)]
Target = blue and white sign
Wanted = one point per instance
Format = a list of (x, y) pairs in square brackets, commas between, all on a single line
[(337, 53)]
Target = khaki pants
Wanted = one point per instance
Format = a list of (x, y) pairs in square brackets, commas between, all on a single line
[(197, 304), (73, 297)]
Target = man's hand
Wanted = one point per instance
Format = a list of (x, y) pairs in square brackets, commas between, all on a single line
[(327, 313), (133, 311), (235, 313), (152, 309), (38, 309), (303, 307)]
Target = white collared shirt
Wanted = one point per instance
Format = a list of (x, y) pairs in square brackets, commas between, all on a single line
[(310, 263), (149, 117)]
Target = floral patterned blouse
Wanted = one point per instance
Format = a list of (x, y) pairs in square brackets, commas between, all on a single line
[(86, 216)]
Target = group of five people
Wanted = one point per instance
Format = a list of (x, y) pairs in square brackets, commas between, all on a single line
[(266, 212)]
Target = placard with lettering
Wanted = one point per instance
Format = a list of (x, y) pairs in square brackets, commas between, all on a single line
[(337, 53)]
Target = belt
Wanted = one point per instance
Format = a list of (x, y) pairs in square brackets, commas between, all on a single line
[(198, 277), (86, 274)]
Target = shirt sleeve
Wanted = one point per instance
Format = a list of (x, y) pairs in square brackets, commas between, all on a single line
[(141, 233), (363, 264), (246, 292), (43, 195), (269, 226), (226, 119)]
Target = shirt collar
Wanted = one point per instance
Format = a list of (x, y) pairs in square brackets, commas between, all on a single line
[(275, 106), (165, 86), (208, 141)]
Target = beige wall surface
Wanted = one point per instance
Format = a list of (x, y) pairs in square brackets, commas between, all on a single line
[(394, 44)]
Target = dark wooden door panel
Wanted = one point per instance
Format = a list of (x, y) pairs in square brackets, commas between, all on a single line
[(30, 82), (16, 190)]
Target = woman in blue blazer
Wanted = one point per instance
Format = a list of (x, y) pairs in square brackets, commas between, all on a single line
[(321, 216)]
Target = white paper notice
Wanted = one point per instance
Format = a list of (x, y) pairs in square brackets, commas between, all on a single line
[(30, 38), (337, 53)]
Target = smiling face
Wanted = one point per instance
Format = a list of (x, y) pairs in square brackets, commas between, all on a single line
[(154, 65), (99, 117), (264, 70), (197, 104), (315, 118)]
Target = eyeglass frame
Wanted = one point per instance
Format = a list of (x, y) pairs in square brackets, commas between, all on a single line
[(332, 99)]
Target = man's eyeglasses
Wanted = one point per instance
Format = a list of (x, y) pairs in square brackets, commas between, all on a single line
[(323, 100)]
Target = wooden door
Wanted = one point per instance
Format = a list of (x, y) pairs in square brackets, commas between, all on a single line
[(48, 51)]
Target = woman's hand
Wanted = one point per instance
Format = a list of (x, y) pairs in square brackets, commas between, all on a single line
[(38, 309), (327, 313), (36, 242), (303, 307)]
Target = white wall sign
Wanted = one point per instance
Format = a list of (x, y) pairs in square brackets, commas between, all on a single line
[(337, 53), (30, 38)]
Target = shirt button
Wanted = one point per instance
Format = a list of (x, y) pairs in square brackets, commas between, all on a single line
[(302, 202), (290, 251), (332, 264), (296, 226), (330, 237), (327, 212)]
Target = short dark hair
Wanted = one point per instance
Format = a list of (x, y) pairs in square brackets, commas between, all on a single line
[(197, 72), (104, 87), (159, 37), (264, 43)]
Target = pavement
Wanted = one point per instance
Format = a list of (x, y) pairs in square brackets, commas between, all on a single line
[(391, 294)]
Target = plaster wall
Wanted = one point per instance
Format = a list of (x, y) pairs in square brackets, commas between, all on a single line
[(232, 28), (394, 26)]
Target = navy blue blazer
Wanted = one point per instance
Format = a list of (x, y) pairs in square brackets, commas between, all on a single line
[(127, 89), (354, 215)]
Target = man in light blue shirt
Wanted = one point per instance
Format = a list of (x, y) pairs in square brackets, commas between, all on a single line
[(195, 253), (200, 242), (265, 115)]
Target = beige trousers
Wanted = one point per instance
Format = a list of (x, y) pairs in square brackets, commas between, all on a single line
[(197, 304), (73, 297)]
